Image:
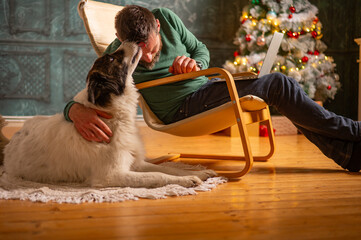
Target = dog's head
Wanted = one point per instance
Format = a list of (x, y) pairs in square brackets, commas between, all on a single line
[(111, 73)]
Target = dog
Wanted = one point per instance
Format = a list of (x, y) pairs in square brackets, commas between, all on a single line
[(50, 150)]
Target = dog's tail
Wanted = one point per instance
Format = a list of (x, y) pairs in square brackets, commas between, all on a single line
[(3, 140)]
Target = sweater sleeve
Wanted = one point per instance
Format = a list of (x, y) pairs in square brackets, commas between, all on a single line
[(195, 48), (113, 46)]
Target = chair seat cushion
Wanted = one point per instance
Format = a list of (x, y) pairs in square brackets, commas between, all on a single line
[(211, 121)]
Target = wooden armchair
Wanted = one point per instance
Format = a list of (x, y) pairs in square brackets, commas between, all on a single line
[(98, 20)]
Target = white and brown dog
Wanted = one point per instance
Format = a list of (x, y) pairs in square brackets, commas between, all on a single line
[(48, 149)]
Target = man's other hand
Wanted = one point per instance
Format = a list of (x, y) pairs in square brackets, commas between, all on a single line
[(183, 64)]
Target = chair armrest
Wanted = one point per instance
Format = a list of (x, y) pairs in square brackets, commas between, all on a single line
[(244, 75), (181, 77)]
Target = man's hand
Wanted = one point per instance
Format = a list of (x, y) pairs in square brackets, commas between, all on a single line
[(183, 64), (88, 124)]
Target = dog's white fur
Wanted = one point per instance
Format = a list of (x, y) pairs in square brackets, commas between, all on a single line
[(48, 149)]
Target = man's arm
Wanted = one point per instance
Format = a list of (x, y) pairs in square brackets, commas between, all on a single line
[(197, 50)]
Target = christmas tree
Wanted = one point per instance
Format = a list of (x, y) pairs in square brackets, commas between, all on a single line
[(301, 55)]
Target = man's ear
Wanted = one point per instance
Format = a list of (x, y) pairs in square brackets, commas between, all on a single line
[(158, 25)]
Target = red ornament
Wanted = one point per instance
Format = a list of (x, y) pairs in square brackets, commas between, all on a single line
[(291, 34), (248, 37), (263, 131), (236, 53), (290, 16), (329, 87), (305, 59), (314, 34), (292, 9), (316, 53), (315, 20)]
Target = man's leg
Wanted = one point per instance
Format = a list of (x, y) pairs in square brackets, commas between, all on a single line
[(339, 150)]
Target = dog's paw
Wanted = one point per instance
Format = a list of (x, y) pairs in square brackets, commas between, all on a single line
[(190, 181), (205, 174)]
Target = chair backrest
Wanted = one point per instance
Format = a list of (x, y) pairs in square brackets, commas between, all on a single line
[(98, 20)]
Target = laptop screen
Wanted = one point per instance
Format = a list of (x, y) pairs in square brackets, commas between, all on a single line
[(271, 54)]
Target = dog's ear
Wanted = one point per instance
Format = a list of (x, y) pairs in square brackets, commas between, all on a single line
[(100, 88)]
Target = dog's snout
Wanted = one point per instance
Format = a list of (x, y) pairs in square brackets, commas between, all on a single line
[(136, 54)]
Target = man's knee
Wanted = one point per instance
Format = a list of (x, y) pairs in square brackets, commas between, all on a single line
[(279, 79)]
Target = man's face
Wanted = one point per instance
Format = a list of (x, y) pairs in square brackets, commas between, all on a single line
[(151, 50)]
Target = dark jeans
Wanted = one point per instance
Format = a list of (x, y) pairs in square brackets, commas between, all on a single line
[(334, 135)]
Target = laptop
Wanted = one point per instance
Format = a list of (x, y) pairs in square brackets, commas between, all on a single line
[(268, 61)]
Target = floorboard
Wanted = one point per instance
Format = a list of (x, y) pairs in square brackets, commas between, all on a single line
[(298, 194)]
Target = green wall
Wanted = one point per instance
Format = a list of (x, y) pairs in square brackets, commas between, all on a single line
[(45, 52)]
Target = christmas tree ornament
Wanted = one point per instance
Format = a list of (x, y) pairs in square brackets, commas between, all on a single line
[(235, 54), (319, 36), (248, 37), (314, 34), (329, 87), (315, 21), (261, 41), (271, 15), (290, 16), (292, 9), (304, 59)]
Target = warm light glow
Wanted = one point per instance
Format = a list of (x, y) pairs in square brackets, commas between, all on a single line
[(244, 61), (276, 22)]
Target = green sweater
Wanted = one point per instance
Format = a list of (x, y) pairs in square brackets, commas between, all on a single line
[(177, 40)]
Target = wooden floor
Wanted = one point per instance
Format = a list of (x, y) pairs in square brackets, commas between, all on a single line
[(298, 194)]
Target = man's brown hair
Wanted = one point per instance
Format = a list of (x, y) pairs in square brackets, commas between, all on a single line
[(134, 23)]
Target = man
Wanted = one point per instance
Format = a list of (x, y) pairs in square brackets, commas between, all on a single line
[(169, 48)]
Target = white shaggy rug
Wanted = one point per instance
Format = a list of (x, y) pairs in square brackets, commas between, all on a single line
[(15, 188)]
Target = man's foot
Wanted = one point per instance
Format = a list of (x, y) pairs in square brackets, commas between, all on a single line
[(354, 165)]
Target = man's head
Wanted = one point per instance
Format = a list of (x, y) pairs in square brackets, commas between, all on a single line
[(137, 24)]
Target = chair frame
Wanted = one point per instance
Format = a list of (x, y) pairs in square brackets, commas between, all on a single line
[(242, 117)]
